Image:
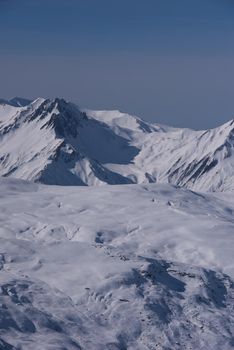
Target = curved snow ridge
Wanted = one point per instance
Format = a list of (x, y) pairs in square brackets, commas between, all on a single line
[(123, 123)]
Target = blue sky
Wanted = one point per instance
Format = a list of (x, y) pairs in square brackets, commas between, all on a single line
[(169, 61)]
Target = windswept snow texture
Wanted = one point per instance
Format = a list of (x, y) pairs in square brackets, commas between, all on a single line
[(54, 142), (118, 267)]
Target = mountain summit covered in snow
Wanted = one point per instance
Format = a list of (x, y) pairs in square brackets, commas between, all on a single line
[(141, 267), (54, 142)]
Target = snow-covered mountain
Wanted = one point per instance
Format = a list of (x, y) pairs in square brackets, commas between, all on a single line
[(54, 142), (137, 267), (140, 267)]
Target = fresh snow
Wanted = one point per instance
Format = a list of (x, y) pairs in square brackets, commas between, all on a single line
[(54, 142), (145, 265), (117, 267)]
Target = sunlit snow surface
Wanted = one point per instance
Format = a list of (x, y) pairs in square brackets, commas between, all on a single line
[(54, 142), (115, 267)]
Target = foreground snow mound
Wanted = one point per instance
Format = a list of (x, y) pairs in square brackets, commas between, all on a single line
[(118, 267), (54, 142)]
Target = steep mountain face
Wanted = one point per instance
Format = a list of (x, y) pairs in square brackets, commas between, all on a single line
[(54, 142)]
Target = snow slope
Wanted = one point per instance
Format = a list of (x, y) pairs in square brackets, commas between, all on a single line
[(54, 142), (118, 267), (200, 160)]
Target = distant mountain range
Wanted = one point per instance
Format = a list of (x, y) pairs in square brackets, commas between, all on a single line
[(54, 142)]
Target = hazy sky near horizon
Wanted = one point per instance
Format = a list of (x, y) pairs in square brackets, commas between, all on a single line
[(168, 61)]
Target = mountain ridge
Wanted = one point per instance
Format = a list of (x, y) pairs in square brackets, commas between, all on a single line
[(55, 142)]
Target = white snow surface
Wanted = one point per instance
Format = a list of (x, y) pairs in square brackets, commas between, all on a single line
[(133, 267), (145, 265), (54, 142)]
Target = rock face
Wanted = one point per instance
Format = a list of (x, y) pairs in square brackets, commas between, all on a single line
[(54, 142)]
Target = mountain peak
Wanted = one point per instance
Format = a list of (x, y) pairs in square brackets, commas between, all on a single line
[(226, 131), (53, 141)]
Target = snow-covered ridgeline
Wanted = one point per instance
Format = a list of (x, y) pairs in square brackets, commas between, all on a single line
[(54, 142)]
